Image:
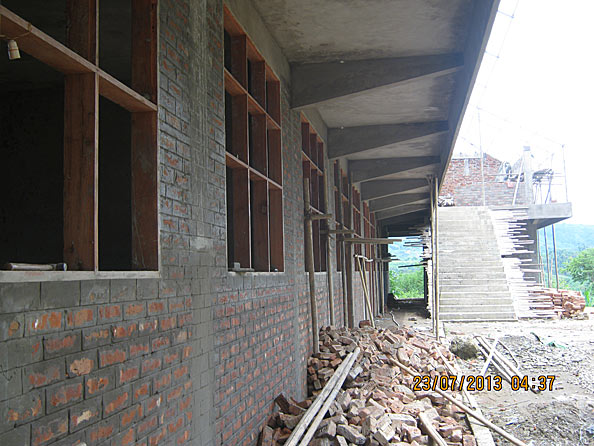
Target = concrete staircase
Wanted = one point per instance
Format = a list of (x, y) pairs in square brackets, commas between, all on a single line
[(473, 284)]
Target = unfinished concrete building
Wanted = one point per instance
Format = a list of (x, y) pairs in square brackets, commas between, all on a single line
[(155, 288)]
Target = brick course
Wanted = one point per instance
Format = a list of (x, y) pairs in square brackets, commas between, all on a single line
[(199, 355)]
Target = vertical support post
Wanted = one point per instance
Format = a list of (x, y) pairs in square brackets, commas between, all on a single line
[(81, 143), (348, 254), (145, 232), (341, 217), (436, 261), (548, 270), (482, 157), (555, 257), (329, 268), (309, 265)]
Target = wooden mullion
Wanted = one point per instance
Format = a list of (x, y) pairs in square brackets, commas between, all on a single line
[(81, 148), (275, 199), (259, 221), (82, 28), (241, 217)]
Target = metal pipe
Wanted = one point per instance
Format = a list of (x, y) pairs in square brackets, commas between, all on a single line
[(436, 279), (309, 265), (555, 257)]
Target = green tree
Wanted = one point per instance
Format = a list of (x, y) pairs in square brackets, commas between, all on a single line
[(581, 268), (407, 285)]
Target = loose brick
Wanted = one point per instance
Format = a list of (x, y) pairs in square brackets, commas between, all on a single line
[(63, 344), (128, 371), (49, 429), (123, 290), (134, 310), (20, 436), (64, 394), (12, 326), (85, 414), (21, 352), (139, 347), (94, 292), (131, 415), (112, 355), (147, 426), (22, 409), (102, 431), (19, 297), (81, 364), (100, 382), (96, 337), (42, 374), (141, 389), (83, 317), (10, 384), (45, 322), (124, 331), (157, 307), (109, 313), (116, 400), (60, 295), (160, 343)]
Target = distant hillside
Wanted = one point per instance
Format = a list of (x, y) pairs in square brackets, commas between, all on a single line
[(573, 238)]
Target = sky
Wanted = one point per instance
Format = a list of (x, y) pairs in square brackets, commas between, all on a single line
[(536, 88)]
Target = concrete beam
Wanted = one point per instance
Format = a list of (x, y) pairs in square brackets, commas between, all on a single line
[(401, 230), (314, 83), (407, 219), (396, 200), (383, 188), (349, 140), (365, 170), (401, 210)]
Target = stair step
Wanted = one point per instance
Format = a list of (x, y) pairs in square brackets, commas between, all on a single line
[(478, 317)]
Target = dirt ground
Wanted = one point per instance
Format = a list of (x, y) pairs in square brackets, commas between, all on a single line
[(563, 416)]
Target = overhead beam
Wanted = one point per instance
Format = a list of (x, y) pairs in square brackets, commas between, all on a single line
[(401, 210), (365, 170), (350, 140), (406, 219), (402, 230), (383, 188), (396, 200), (314, 83)]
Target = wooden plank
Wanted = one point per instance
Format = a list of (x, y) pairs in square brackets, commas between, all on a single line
[(82, 28), (276, 230), (144, 49), (81, 111), (121, 94), (259, 223), (41, 46)]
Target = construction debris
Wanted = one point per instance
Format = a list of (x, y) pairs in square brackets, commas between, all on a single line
[(463, 348), (560, 303), (379, 403)]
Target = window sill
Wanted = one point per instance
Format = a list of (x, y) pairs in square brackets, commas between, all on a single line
[(65, 276)]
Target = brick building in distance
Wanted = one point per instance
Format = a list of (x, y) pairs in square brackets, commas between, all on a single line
[(155, 154)]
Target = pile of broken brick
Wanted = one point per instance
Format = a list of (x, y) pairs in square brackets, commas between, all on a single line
[(376, 404)]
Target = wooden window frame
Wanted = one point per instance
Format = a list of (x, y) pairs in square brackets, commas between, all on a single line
[(312, 157), (84, 82), (253, 156)]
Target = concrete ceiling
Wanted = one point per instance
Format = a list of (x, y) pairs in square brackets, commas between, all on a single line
[(390, 79)]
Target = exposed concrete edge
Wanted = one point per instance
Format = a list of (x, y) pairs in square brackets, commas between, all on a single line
[(469, 83), (317, 122), (248, 17)]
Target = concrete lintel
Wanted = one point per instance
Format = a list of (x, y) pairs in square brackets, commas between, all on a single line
[(402, 210), (313, 83), (346, 141), (396, 200), (383, 188), (364, 170)]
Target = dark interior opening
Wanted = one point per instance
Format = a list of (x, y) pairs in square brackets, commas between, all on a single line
[(227, 49), (228, 122), (115, 38), (50, 20), (115, 183), (230, 244), (32, 160)]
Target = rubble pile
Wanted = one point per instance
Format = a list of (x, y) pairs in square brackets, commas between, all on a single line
[(565, 303), (377, 404)]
